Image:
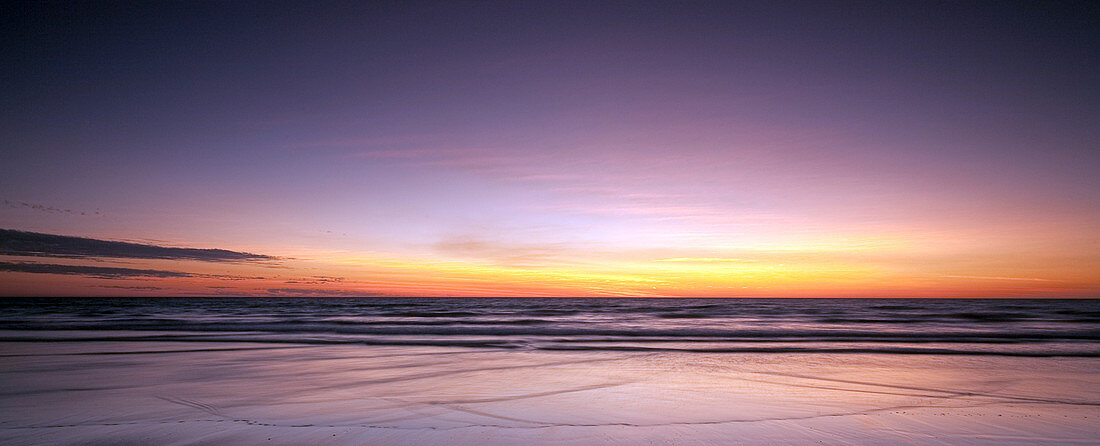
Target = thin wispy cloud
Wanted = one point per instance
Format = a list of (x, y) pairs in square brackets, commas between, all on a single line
[(129, 287), (307, 292), (1026, 279), (316, 280), (702, 260), (420, 155), (506, 253), (14, 204)]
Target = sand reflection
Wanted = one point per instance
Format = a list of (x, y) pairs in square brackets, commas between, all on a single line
[(190, 392)]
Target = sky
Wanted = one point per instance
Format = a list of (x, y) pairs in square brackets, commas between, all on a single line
[(651, 149)]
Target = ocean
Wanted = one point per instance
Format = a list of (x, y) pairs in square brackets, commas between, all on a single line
[(1012, 327)]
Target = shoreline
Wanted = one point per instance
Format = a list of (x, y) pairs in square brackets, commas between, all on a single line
[(194, 393)]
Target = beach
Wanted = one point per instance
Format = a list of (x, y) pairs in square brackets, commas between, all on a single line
[(189, 372), (183, 393)]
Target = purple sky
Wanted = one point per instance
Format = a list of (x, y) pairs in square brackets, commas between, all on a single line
[(766, 148)]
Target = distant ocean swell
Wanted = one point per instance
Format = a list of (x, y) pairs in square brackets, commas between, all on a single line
[(1033, 328)]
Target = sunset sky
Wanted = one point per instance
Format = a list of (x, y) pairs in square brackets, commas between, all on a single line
[(740, 149)]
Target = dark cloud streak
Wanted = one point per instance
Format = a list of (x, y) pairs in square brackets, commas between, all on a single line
[(21, 243), (99, 272)]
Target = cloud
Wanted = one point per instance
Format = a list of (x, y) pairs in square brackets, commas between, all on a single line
[(228, 277), (21, 243), (702, 260), (306, 292), (125, 287), (47, 209), (1029, 279), (593, 183), (99, 272), (419, 154), (504, 253), (317, 280)]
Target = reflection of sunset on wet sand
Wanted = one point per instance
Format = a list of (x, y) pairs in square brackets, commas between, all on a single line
[(247, 393)]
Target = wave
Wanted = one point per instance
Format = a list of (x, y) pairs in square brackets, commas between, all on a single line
[(1003, 327), (604, 346), (535, 327)]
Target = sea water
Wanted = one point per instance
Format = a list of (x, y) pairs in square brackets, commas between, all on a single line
[(1016, 327)]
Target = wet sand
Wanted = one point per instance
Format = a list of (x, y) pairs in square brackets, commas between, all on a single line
[(178, 393)]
